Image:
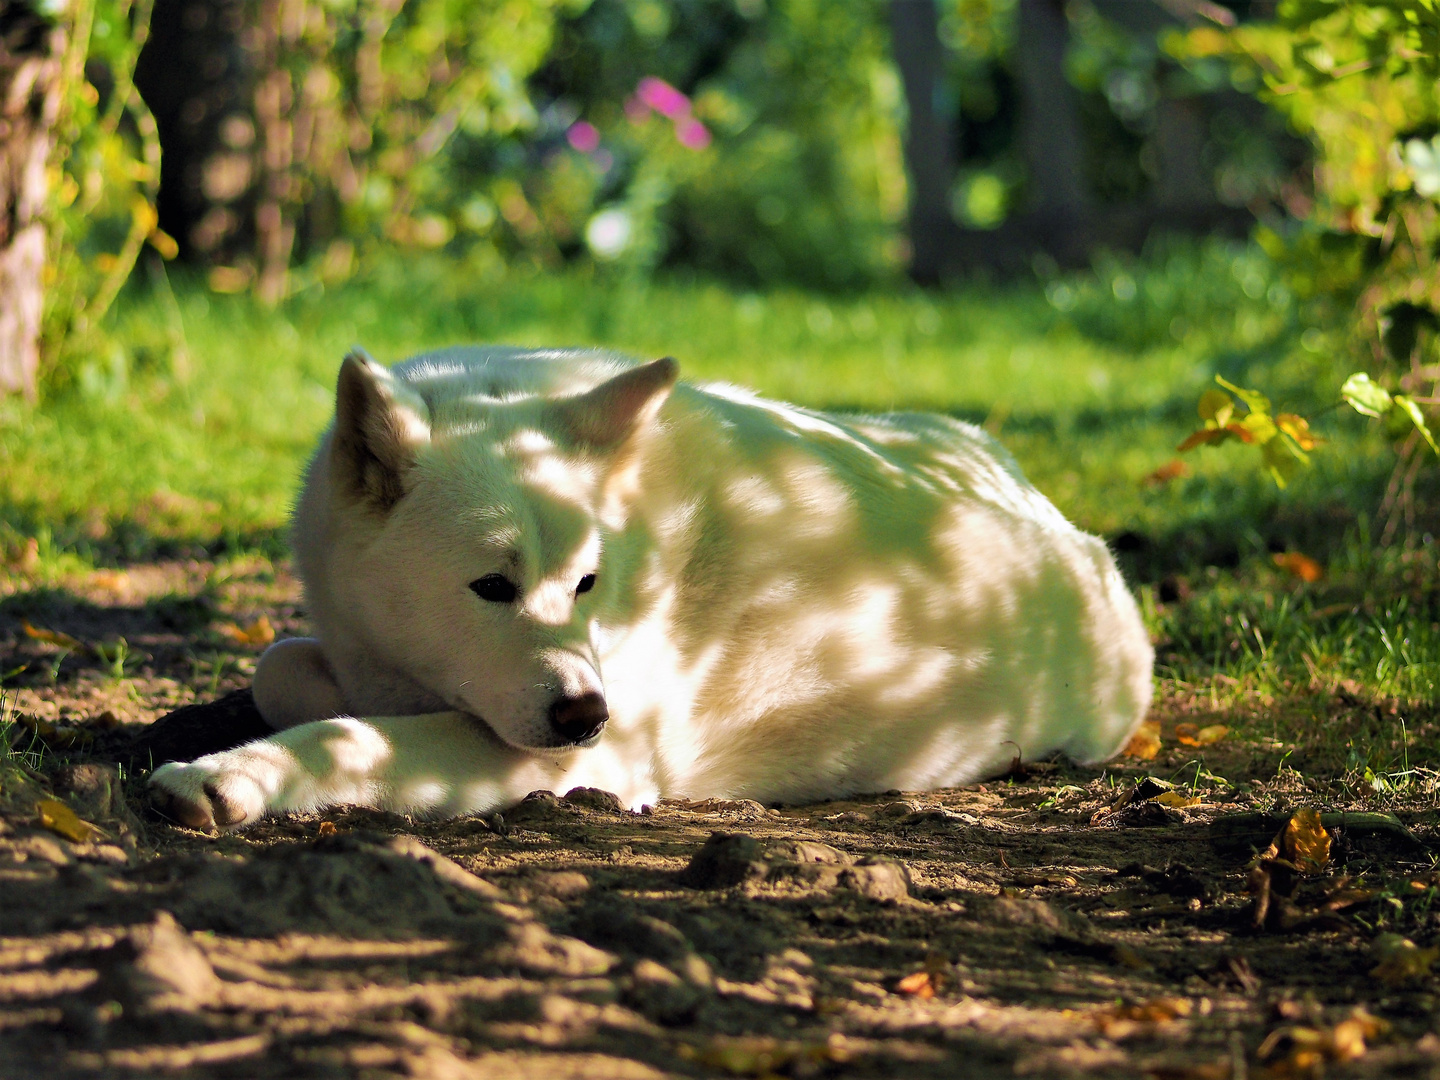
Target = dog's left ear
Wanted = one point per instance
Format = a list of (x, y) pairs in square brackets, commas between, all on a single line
[(605, 417)]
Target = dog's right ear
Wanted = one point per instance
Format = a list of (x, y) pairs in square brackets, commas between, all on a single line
[(380, 424), (606, 416)]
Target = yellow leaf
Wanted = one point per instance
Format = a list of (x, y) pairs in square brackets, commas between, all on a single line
[(60, 819), (1175, 799), (1305, 841), (1145, 743), (1191, 735), (53, 637), (1401, 960), (257, 634), (1301, 566), (1307, 1049), (919, 985), (1298, 428), (1121, 1021)]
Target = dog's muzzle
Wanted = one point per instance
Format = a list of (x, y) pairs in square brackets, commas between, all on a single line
[(579, 719)]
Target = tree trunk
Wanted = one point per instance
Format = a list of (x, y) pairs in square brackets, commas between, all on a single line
[(1054, 148), (929, 138), (30, 65)]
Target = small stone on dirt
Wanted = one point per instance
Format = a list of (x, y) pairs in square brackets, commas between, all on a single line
[(537, 806), (443, 868), (590, 798), (157, 968), (658, 993), (899, 809), (878, 878), (726, 859)]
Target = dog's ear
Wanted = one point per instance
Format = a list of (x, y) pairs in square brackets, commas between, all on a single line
[(380, 423), (605, 417)]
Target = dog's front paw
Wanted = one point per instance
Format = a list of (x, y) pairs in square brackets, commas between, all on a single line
[(205, 795)]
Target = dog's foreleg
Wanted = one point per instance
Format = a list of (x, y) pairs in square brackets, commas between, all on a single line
[(294, 684), (435, 764)]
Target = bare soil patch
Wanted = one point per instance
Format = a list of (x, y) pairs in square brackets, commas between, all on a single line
[(1025, 926)]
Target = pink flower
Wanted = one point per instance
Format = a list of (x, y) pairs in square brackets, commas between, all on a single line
[(583, 136), (693, 135), (662, 97)]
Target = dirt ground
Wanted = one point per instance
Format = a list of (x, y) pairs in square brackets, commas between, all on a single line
[(1062, 920)]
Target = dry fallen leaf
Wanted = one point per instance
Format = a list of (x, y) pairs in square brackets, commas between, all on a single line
[(1305, 1050), (60, 819), (1175, 799), (1401, 960), (1304, 841), (60, 735), (1301, 566), (1145, 743), (1301, 847), (1121, 1021), (918, 985), (256, 635), (1191, 735), (1174, 469), (53, 637), (932, 979)]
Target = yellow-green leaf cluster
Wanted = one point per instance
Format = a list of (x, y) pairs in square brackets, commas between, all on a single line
[(1283, 439)]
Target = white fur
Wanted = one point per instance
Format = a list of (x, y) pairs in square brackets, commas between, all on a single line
[(789, 605)]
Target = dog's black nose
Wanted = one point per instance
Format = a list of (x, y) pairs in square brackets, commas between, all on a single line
[(579, 718)]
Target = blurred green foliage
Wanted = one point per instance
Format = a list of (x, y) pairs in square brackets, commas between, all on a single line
[(1358, 78), (364, 115), (103, 179), (768, 150)]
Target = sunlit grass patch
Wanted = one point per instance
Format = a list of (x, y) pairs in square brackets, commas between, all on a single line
[(1337, 681), (195, 427)]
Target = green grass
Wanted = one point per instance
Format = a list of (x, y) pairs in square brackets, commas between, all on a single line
[(194, 423)]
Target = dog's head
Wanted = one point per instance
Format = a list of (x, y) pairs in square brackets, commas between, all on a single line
[(478, 570)]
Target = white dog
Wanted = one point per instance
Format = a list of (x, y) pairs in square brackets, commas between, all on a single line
[(549, 569)]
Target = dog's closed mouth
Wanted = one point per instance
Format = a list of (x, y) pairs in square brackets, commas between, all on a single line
[(560, 742), (591, 739)]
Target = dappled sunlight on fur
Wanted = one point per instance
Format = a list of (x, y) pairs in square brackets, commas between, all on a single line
[(774, 603)]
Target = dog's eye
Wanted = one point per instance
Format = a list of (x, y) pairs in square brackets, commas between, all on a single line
[(496, 588), (586, 584)]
